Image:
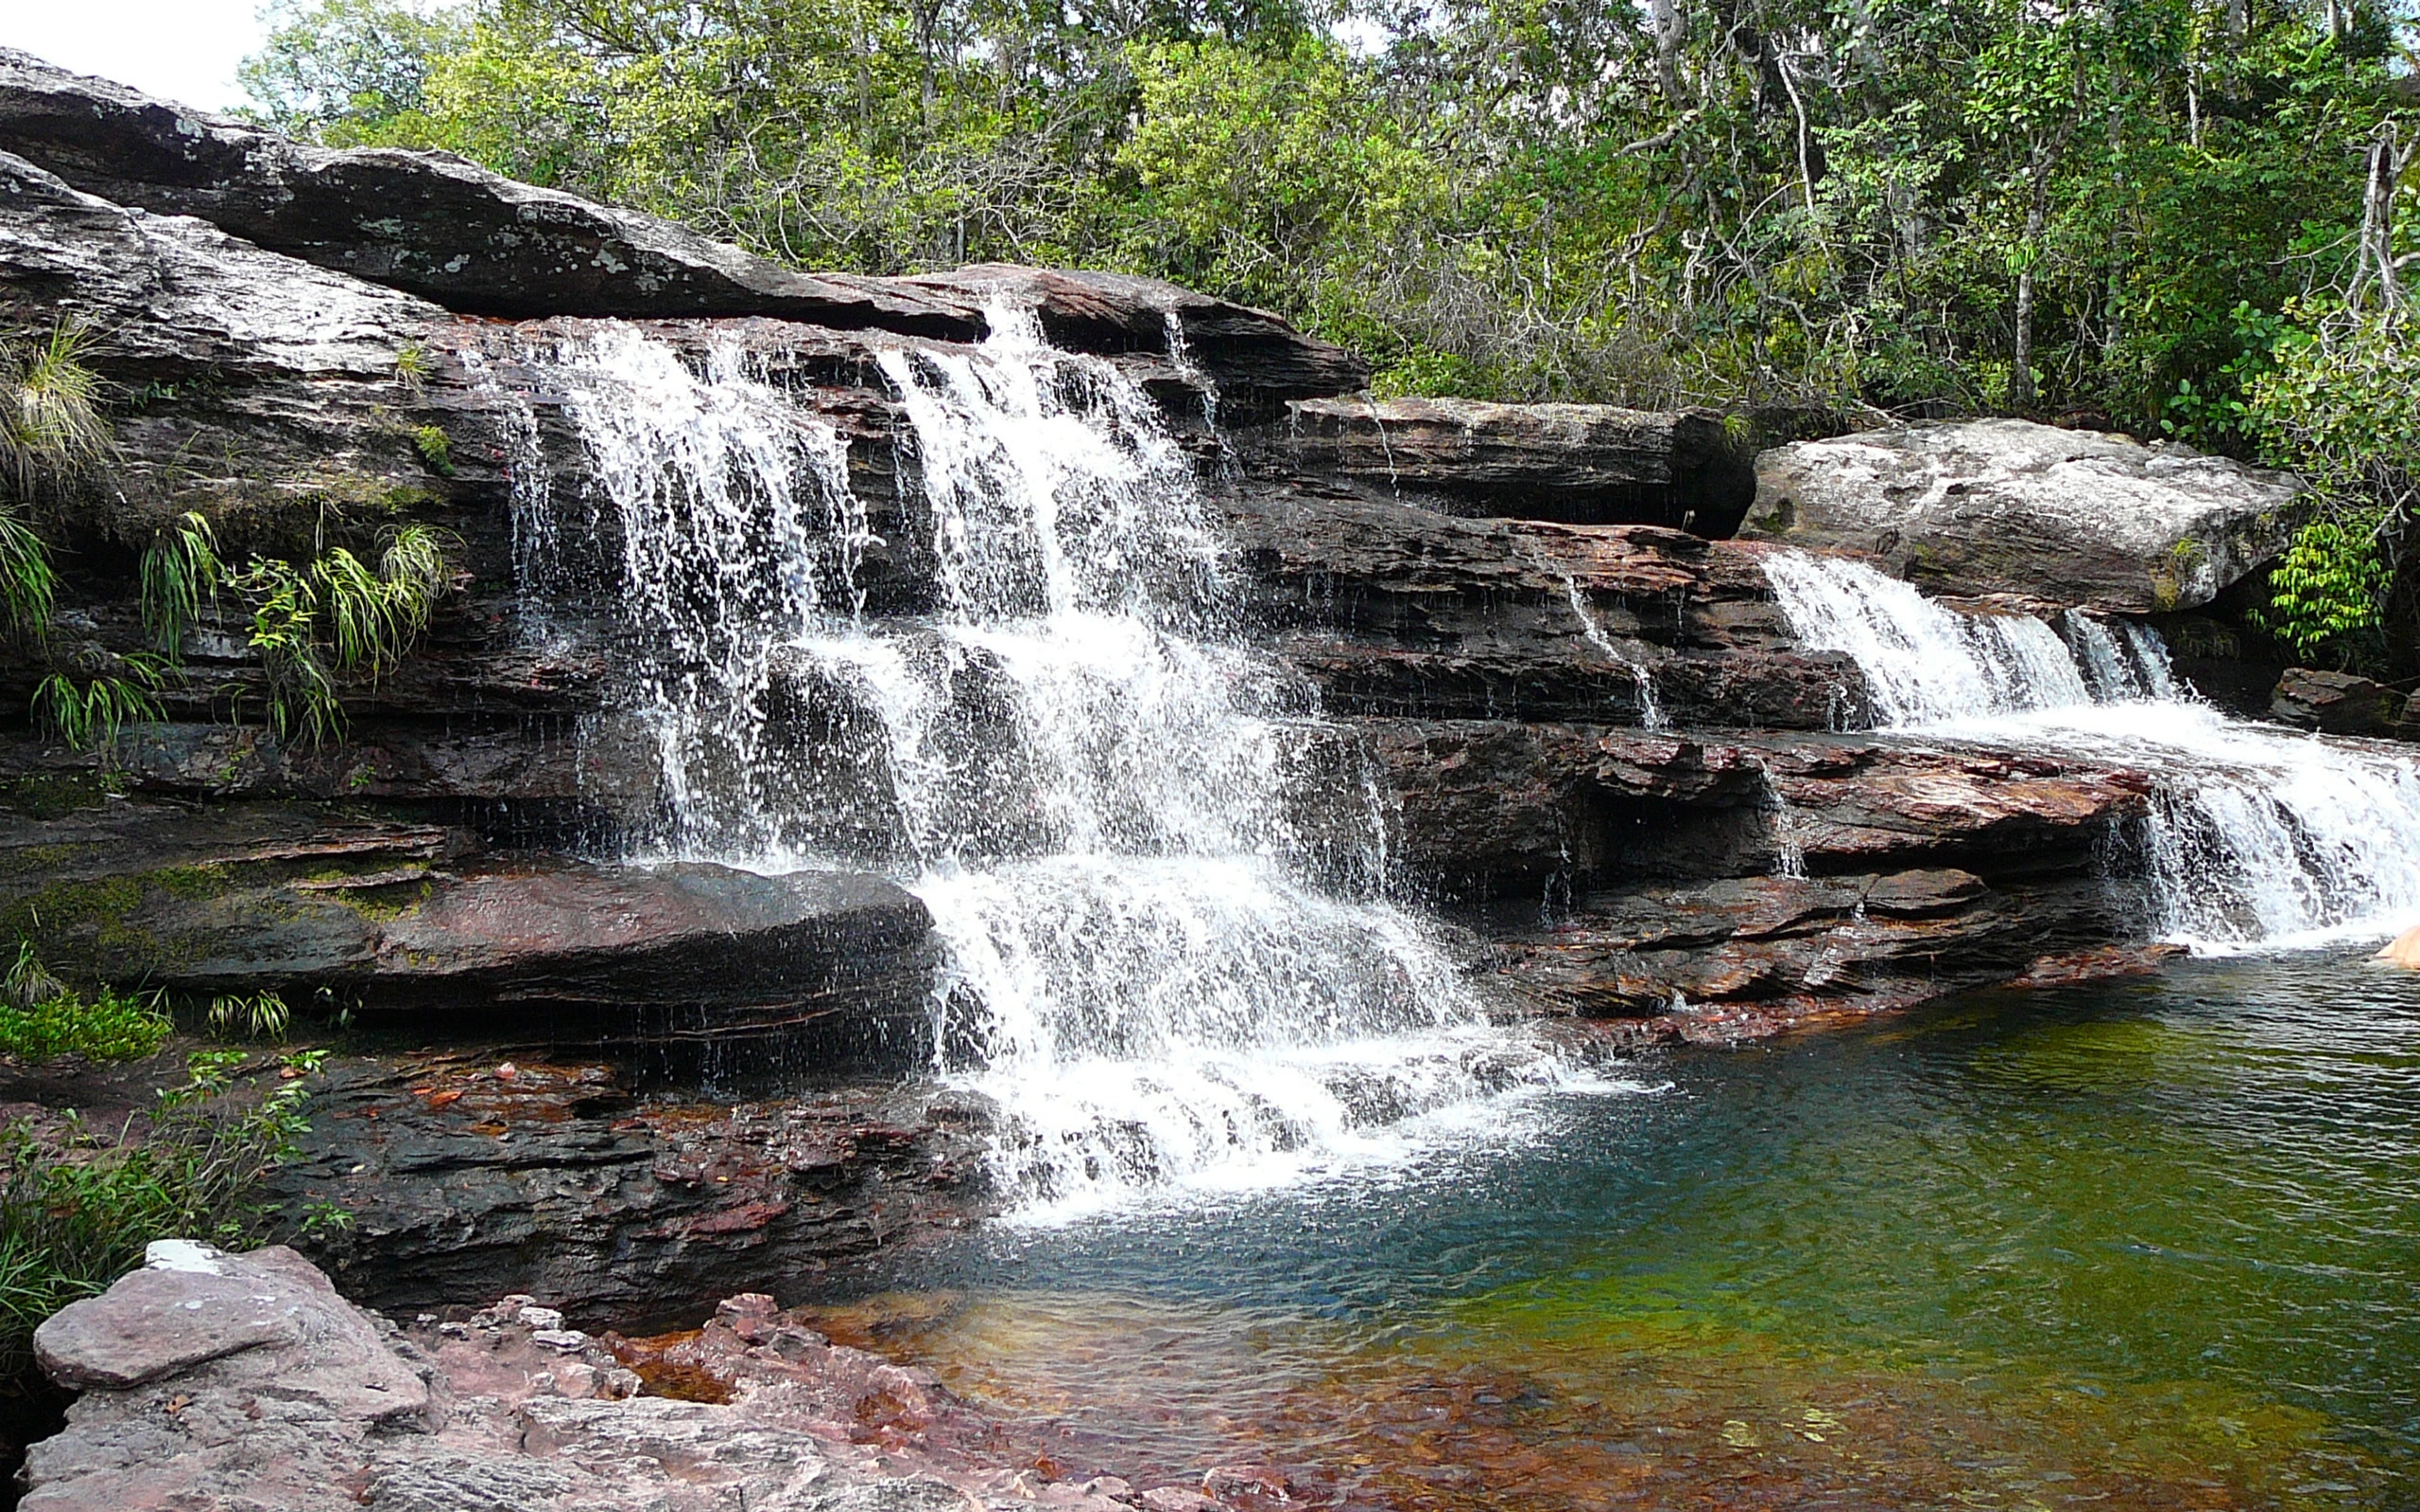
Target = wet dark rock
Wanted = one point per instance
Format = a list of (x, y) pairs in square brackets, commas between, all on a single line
[(1582, 464), (2338, 703), (1495, 810), (622, 1208), (1393, 608), (2007, 506), (1792, 946)]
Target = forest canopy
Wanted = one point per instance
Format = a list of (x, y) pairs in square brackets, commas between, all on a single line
[(2190, 218)]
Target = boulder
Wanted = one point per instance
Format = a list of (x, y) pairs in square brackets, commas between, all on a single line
[(443, 228), (1584, 464), (2010, 507), (176, 293), (2338, 703)]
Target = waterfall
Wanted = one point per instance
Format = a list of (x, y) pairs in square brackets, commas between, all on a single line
[(1922, 663), (1157, 873), (2256, 837)]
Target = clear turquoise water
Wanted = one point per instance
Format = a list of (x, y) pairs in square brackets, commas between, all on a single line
[(2155, 1244)]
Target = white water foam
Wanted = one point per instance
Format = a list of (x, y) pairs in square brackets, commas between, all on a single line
[(1156, 872), (2258, 837)]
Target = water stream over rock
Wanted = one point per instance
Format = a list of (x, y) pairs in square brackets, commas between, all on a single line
[(2258, 837), (1158, 878)]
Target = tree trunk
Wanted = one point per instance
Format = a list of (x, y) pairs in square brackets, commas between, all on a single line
[(1664, 19), (2021, 393)]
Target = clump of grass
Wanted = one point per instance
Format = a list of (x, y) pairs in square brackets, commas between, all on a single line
[(42, 1018), (29, 583), (78, 1210), (262, 1016), (92, 714), (435, 450), (338, 618), (181, 572), (412, 366), (52, 430)]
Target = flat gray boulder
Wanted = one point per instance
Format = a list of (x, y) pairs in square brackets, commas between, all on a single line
[(2010, 507)]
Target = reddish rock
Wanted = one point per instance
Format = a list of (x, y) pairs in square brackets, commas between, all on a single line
[(2338, 703)]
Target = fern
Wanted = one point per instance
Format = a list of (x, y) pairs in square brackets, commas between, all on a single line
[(180, 571), (51, 425)]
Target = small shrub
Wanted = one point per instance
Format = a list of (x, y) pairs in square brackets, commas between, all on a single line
[(338, 618), (28, 582), (435, 450), (411, 365), (76, 1214), (41, 1018), (91, 714)]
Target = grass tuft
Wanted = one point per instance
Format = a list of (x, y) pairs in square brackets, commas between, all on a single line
[(52, 430)]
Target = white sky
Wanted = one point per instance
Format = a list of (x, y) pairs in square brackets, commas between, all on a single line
[(185, 50)]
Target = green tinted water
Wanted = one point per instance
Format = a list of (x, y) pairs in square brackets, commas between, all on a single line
[(2154, 1245)]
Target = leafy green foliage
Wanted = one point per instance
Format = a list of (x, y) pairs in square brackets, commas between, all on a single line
[(92, 713), (51, 426), (76, 1212), (338, 618), (435, 450), (2328, 587), (41, 1018), (29, 583)]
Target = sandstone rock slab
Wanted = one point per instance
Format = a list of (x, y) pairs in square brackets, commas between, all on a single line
[(2010, 507), (439, 226), (2337, 703), (1584, 464)]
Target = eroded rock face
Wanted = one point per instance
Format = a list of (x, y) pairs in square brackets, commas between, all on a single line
[(1582, 464), (2337, 703), (333, 1408), (2010, 507), (1395, 608)]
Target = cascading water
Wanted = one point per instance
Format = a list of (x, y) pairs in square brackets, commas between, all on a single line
[(1156, 872), (2258, 837)]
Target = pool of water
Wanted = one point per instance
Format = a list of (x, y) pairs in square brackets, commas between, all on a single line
[(2154, 1245)]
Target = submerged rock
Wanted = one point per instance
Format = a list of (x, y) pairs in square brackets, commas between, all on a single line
[(304, 1401), (2010, 507)]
